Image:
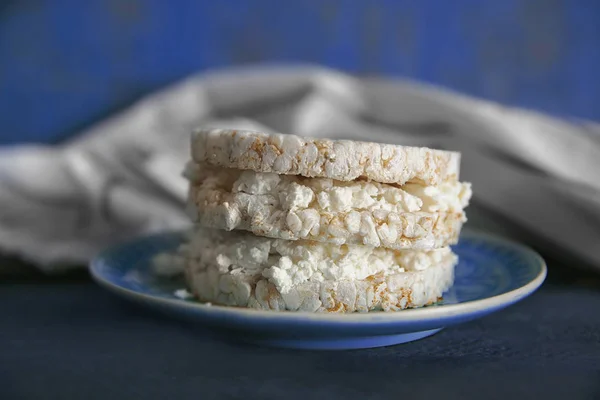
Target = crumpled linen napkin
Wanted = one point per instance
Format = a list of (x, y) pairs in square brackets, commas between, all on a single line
[(531, 173)]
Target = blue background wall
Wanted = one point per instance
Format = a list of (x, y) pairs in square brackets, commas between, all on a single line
[(65, 64)]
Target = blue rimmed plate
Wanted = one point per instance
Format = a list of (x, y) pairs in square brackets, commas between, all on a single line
[(492, 273)]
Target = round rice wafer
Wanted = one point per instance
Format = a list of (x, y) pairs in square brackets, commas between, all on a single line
[(343, 160), (321, 209), (236, 269)]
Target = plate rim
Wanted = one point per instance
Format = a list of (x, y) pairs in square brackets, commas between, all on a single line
[(415, 315)]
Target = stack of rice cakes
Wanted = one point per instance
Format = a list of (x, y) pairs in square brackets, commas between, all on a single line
[(284, 222)]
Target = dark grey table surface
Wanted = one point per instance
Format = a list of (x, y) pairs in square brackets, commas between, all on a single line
[(66, 338)]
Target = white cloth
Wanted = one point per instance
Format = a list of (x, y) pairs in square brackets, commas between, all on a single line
[(122, 178)]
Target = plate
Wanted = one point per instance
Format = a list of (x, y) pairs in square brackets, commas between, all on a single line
[(492, 274)]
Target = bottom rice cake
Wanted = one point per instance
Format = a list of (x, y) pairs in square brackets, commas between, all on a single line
[(240, 269)]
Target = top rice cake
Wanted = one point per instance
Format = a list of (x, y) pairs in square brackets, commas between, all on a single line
[(343, 160)]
